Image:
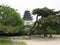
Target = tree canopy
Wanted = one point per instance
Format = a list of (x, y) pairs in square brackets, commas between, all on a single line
[(9, 16), (10, 20), (44, 12)]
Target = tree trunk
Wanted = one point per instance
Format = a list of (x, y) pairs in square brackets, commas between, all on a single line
[(50, 36), (37, 18), (30, 31), (45, 35), (42, 16), (34, 26)]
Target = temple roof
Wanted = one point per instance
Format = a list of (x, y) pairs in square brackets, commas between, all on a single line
[(27, 15)]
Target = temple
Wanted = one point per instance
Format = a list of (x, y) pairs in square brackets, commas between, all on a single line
[(27, 17)]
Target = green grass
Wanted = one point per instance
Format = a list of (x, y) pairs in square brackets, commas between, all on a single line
[(7, 41)]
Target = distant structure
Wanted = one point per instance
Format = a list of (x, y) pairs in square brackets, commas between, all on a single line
[(27, 17)]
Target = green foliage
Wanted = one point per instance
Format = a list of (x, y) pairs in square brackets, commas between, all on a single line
[(10, 21), (9, 16), (23, 32), (7, 30), (44, 12), (50, 30), (49, 25)]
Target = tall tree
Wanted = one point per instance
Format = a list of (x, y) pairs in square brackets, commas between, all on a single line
[(43, 12)]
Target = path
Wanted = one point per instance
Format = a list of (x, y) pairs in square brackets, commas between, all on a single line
[(44, 42), (37, 41)]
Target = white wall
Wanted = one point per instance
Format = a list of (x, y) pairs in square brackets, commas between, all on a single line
[(28, 22)]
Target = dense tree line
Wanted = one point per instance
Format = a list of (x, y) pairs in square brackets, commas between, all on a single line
[(11, 22)]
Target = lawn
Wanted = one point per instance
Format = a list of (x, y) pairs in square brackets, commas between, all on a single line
[(7, 41)]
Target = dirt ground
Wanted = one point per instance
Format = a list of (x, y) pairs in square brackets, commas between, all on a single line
[(35, 40)]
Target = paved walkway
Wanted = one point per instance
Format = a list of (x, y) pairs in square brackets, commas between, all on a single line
[(43, 42), (40, 42)]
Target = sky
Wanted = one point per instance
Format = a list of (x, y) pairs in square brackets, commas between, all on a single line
[(23, 5)]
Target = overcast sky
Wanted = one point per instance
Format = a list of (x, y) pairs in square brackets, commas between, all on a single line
[(23, 5)]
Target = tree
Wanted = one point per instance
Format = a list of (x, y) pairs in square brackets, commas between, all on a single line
[(10, 18), (43, 12)]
